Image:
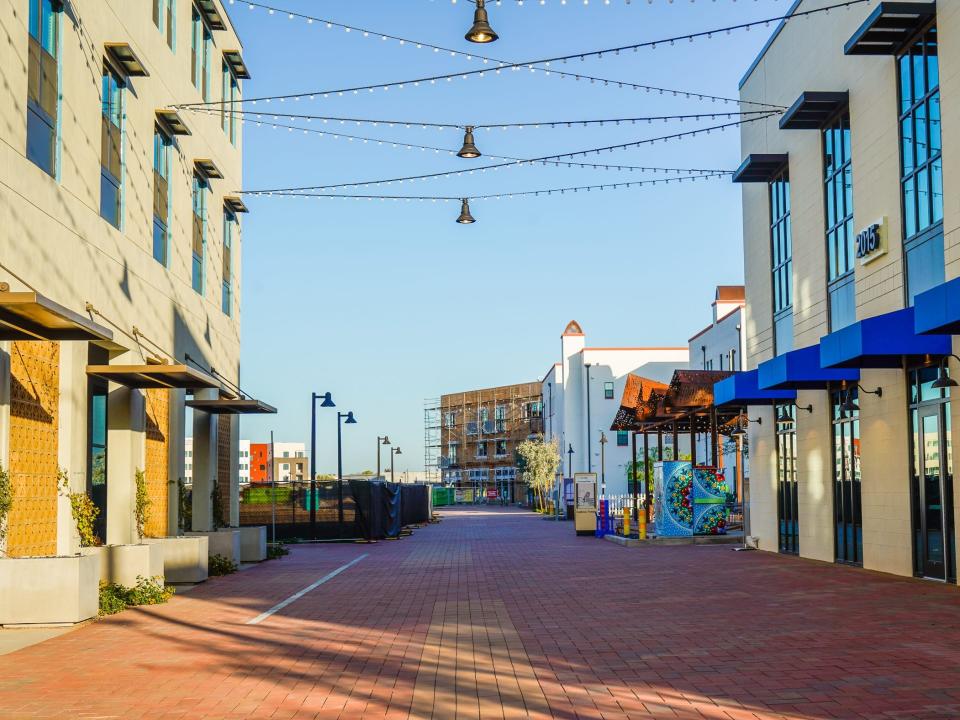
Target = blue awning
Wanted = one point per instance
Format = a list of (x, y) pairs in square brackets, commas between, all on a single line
[(741, 389), (800, 370), (938, 310), (881, 342)]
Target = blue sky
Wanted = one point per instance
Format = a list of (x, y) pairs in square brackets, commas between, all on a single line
[(385, 304)]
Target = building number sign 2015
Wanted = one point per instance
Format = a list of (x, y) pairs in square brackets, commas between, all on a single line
[(870, 242)]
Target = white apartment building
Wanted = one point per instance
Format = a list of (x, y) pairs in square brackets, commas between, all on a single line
[(287, 471), (243, 461), (581, 395), (244, 464), (721, 345)]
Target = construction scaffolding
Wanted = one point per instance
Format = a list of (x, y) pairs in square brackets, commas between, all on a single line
[(431, 440)]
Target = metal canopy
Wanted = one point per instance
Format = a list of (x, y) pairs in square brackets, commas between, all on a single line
[(235, 60), (171, 121), (636, 392), (883, 341), (210, 12), (235, 204), (938, 310), (812, 110), (742, 389), (208, 168), (889, 27), (126, 59), (760, 168), (232, 407), (31, 316), (800, 370), (154, 376)]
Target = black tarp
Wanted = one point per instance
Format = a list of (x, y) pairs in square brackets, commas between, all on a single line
[(414, 504), (369, 523), (391, 509)]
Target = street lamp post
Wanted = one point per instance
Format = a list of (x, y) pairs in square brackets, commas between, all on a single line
[(327, 403), (380, 441), (603, 468), (350, 420), (393, 453)]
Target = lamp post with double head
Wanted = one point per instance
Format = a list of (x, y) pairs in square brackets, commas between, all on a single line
[(350, 420), (380, 441), (327, 402)]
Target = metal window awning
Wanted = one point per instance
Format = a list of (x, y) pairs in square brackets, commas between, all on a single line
[(938, 310), (126, 59), (235, 60), (31, 316), (760, 168), (883, 341), (208, 168), (242, 406), (171, 121), (812, 109), (742, 388), (154, 376), (800, 370), (211, 14), (235, 203), (889, 27)]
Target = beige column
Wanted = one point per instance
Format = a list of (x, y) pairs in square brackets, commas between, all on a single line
[(126, 453), (815, 476), (886, 466), (72, 447), (204, 462), (234, 509), (763, 477), (177, 459), (4, 413)]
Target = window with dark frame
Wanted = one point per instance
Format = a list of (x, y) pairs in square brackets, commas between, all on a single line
[(838, 204), (111, 151), (42, 84), (848, 536), (781, 243), (226, 296), (623, 438), (500, 449), (608, 391), (787, 516), (921, 174)]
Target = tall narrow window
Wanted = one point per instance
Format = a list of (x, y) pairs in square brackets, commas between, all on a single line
[(199, 232), (161, 195), (200, 41), (97, 440), (225, 107), (163, 18), (229, 222), (787, 519), (111, 150), (781, 241), (846, 480), (921, 165), (42, 85), (838, 195), (234, 99)]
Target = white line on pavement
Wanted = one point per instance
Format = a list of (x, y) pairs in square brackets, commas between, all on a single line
[(297, 595)]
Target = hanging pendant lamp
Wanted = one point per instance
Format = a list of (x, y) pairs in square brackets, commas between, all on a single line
[(465, 217), (469, 149), (481, 32)]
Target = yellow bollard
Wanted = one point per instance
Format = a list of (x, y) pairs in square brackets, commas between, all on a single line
[(626, 522), (642, 524)]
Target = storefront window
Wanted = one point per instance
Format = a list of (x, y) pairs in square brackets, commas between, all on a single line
[(781, 242), (838, 190), (97, 441), (931, 484), (788, 531), (846, 477), (921, 175)]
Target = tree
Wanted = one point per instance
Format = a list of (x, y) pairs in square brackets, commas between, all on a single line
[(538, 462)]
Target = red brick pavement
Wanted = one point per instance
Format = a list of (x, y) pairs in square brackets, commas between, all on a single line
[(499, 614)]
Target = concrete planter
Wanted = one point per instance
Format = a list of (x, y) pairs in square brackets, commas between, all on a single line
[(122, 564), (224, 542), (253, 543), (49, 590), (183, 559)]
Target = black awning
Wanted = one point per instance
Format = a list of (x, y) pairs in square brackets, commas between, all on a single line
[(759, 168), (812, 110), (232, 407), (889, 27)]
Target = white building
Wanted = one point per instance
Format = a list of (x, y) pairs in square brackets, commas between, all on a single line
[(243, 456), (244, 463), (287, 470), (581, 395), (721, 345)]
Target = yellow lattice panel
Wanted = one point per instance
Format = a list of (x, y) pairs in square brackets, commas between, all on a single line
[(157, 461), (34, 404), (223, 463)]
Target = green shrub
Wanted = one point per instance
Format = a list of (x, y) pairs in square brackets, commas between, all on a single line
[(141, 511), (115, 598), (6, 501), (276, 550), (219, 565)]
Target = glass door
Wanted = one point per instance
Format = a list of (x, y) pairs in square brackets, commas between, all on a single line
[(933, 495), (789, 534), (846, 475)]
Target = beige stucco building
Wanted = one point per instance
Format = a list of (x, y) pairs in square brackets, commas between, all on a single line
[(119, 249), (848, 222)]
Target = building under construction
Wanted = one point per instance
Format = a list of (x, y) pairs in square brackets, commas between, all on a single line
[(471, 439)]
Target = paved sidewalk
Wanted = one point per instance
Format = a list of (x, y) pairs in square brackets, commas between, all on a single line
[(499, 614)]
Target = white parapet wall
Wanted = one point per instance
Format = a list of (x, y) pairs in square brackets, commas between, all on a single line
[(184, 559), (225, 542), (253, 543), (49, 590), (123, 564)]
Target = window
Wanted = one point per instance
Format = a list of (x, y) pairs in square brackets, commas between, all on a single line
[(848, 538), (781, 241), (161, 195), (533, 410), (838, 190), (230, 91), (500, 448), (163, 18), (484, 414), (921, 174), (226, 301), (608, 391), (450, 419), (42, 85), (97, 441), (200, 41), (500, 416), (452, 453), (199, 231), (111, 149), (622, 436), (787, 520), (481, 449)]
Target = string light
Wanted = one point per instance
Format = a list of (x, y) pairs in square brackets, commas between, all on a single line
[(517, 163), (546, 62)]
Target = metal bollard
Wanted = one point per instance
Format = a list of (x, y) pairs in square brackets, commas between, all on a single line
[(626, 522), (642, 524)]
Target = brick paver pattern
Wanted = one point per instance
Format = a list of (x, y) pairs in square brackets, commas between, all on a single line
[(497, 613)]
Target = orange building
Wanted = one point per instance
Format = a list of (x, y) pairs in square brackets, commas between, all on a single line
[(259, 462)]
